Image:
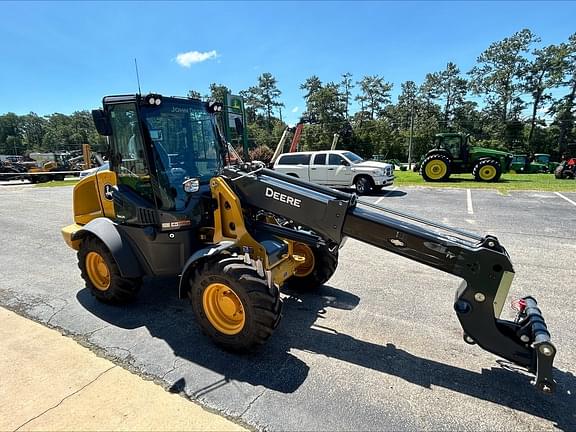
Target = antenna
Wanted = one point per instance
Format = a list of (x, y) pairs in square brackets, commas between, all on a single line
[(137, 75)]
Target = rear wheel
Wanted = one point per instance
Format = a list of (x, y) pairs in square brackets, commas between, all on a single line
[(102, 274), (233, 304), (319, 266), (487, 170), (435, 168), (567, 174)]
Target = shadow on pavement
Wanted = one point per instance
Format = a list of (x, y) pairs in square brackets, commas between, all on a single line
[(171, 319)]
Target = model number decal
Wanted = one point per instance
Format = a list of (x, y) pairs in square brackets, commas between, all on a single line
[(271, 193)]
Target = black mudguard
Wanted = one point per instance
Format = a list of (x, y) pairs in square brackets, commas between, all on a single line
[(196, 258), (118, 245)]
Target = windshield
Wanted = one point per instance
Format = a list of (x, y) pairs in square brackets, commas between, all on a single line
[(543, 158), (184, 130), (185, 146), (352, 157)]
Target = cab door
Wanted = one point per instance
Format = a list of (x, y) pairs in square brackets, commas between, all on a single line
[(338, 171), (318, 173)]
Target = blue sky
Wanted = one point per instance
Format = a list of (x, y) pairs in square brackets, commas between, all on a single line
[(63, 56)]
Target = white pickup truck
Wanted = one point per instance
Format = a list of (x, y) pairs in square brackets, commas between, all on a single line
[(336, 168)]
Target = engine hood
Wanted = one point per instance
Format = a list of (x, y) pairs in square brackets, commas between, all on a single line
[(372, 164)]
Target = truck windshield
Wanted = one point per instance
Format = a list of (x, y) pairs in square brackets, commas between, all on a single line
[(185, 145), (353, 157)]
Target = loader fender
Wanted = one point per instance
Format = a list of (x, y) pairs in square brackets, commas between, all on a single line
[(198, 257), (118, 245)]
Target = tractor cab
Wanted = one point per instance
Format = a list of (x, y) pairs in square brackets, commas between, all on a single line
[(162, 150), (456, 144)]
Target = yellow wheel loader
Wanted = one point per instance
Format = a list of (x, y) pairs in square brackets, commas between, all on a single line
[(236, 235)]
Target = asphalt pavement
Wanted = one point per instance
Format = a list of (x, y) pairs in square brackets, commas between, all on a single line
[(377, 348)]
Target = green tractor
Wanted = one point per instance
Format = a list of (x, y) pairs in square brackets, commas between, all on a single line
[(544, 158), (453, 154), (540, 163), (524, 164)]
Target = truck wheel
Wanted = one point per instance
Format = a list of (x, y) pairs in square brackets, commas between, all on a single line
[(319, 266), (233, 304), (435, 168), (102, 275), (363, 185), (487, 170)]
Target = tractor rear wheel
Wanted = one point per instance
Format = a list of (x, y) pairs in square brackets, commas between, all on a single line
[(488, 170), (233, 304), (102, 275), (319, 266), (435, 168)]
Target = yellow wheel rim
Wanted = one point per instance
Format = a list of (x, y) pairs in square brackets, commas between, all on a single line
[(487, 172), (223, 309), (436, 169), (98, 271), (307, 267)]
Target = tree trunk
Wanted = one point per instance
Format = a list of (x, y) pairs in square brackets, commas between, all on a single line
[(533, 119)]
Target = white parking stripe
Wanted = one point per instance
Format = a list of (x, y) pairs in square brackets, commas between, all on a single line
[(469, 201), (385, 195), (566, 198)]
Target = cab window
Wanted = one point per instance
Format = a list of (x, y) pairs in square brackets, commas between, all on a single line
[(320, 159), (335, 159), (129, 161), (295, 159)]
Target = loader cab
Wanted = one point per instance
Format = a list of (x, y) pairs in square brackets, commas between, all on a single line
[(163, 151)]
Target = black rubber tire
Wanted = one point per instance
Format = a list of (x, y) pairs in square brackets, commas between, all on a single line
[(568, 174), (262, 306), (558, 172), (326, 263), (364, 185), (122, 290), (431, 158), (59, 177), (487, 162)]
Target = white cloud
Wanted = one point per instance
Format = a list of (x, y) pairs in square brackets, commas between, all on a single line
[(295, 109), (189, 58)]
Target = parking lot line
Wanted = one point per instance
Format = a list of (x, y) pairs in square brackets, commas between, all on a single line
[(469, 201), (385, 195), (566, 198)]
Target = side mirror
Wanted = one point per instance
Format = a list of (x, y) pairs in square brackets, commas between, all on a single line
[(102, 122), (343, 162), (239, 126)]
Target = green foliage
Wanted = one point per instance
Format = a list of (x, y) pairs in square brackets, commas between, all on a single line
[(28, 133)]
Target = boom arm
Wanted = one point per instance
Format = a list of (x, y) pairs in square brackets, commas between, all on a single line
[(482, 263)]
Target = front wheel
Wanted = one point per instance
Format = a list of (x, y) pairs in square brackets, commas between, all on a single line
[(233, 304), (319, 266), (102, 275), (487, 170), (363, 185)]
